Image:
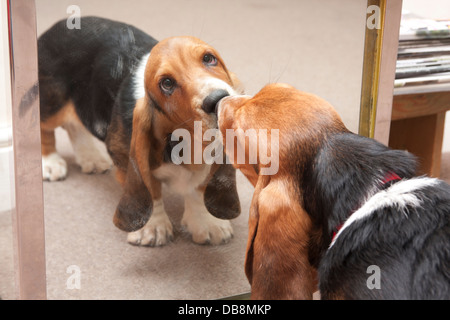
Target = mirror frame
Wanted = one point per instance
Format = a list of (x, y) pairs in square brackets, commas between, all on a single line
[(379, 64), (28, 209)]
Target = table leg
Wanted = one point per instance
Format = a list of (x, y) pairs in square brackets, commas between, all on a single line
[(423, 137)]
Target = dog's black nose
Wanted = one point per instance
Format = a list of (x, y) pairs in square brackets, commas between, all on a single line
[(209, 104)]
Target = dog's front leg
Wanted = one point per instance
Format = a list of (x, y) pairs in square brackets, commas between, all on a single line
[(158, 231)]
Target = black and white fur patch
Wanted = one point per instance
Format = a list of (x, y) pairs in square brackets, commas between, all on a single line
[(403, 229)]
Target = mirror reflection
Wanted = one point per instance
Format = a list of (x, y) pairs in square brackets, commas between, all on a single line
[(306, 44)]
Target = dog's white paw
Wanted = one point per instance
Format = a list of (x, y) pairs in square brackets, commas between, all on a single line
[(54, 167), (207, 229), (158, 231), (92, 161)]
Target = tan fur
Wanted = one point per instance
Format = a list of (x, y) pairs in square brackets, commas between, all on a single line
[(158, 115), (278, 259), (65, 115)]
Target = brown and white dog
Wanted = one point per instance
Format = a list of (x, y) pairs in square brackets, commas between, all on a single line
[(340, 204), (111, 80)]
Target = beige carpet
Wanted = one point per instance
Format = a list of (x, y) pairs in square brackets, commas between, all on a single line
[(314, 45), (80, 232)]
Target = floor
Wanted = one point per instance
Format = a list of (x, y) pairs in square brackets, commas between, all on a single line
[(305, 43)]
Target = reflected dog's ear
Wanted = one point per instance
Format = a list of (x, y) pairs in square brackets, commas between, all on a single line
[(221, 197), (136, 204)]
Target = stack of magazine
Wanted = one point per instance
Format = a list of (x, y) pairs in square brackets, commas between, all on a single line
[(423, 52)]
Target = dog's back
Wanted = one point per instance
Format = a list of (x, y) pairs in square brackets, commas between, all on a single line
[(87, 66), (396, 244), (394, 254)]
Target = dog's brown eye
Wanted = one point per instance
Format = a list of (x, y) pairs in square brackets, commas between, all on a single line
[(167, 85), (209, 60)]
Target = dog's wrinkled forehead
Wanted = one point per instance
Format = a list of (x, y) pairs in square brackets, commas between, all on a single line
[(177, 52), (183, 59)]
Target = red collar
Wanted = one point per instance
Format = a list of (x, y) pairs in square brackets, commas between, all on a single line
[(389, 177)]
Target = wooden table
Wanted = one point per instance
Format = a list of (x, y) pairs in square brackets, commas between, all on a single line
[(417, 123)]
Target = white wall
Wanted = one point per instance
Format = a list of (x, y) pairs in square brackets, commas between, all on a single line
[(434, 9)]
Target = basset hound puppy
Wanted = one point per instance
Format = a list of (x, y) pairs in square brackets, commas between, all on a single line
[(341, 205), (113, 81)]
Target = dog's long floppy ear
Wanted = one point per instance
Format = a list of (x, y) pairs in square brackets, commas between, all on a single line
[(221, 197), (276, 262), (253, 221), (135, 206)]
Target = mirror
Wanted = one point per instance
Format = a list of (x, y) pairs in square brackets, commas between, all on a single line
[(308, 44)]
